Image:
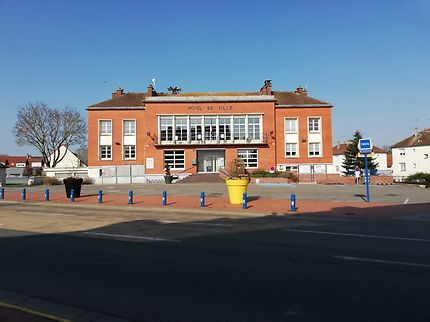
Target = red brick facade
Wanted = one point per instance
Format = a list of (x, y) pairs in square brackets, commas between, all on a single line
[(241, 112)]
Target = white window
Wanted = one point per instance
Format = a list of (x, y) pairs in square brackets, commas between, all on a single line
[(291, 168), (196, 128), (129, 127), (210, 128), (175, 159), (402, 152), (291, 125), (314, 124), (166, 128), (249, 157), (105, 127), (254, 131), (181, 129), (224, 128), (402, 166), (239, 128), (290, 150), (129, 152), (105, 152), (314, 149)]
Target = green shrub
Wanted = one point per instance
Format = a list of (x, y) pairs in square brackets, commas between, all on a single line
[(419, 177), (260, 173)]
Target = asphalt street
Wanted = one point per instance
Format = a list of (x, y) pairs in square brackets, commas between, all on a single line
[(231, 269)]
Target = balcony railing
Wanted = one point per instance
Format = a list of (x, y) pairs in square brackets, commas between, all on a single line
[(218, 141)]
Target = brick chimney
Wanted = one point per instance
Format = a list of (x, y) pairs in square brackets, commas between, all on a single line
[(266, 89), (301, 91), (118, 93), (151, 90)]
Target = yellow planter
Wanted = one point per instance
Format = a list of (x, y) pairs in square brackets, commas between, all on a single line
[(236, 188)]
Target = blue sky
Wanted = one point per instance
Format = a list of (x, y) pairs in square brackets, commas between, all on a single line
[(371, 59)]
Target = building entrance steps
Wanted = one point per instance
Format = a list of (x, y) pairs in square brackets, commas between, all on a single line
[(202, 178)]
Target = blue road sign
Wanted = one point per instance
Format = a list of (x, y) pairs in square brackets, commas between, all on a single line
[(365, 145)]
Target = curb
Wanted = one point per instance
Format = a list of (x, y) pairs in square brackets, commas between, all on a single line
[(50, 310)]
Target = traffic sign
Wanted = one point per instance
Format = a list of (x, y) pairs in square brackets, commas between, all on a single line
[(365, 145)]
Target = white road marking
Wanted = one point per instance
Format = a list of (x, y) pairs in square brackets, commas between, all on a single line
[(406, 201), (132, 237), (45, 214), (381, 261), (356, 235), (193, 223)]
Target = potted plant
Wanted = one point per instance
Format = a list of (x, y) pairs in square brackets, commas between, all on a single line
[(168, 178), (75, 183), (237, 182)]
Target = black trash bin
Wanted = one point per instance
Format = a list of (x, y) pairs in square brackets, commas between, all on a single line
[(75, 184)]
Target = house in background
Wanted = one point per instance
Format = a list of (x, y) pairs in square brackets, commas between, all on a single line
[(69, 165), (70, 159), (21, 161), (411, 155), (16, 165), (380, 156)]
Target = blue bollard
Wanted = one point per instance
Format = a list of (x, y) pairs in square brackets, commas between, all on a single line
[(130, 197), (72, 195), (24, 194), (202, 199), (46, 194), (100, 197), (245, 201), (2, 193), (293, 202), (164, 198)]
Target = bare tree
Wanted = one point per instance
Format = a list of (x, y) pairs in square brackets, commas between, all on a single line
[(82, 153), (48, 129)]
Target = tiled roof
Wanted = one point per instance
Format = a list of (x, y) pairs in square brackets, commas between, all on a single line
[(419, 139), (137, 99), (13, 160), (291, 98), (126, 100), (341, 148)]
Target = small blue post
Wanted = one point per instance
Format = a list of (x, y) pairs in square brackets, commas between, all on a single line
[(293, 202), (130, 197), (24, 194), (100, 197), (2, 193), (245, 201), (202, 199), (46, 194), (164, 198), (72, 195)]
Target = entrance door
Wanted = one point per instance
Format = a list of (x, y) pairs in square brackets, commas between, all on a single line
[(210, 161)]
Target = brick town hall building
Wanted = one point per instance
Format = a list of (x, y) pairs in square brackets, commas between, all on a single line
[(132, 135)]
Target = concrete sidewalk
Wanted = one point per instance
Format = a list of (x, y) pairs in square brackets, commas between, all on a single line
[(256, 205)]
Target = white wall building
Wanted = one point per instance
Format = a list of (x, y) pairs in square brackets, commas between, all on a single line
[(411, 155), (68, 166), (380, 157)]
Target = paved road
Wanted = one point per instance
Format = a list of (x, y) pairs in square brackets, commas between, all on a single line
[(227, 269)]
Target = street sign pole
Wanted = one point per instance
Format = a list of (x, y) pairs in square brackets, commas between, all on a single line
[(367, 178)]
